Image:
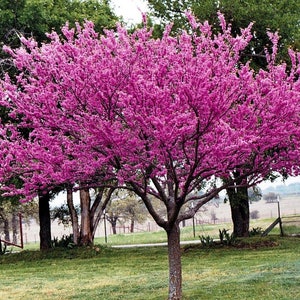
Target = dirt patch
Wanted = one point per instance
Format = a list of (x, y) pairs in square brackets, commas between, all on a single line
[(239, 244), (255, 244)]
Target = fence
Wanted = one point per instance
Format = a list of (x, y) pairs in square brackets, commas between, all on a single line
[(291, 225), (17, 236)]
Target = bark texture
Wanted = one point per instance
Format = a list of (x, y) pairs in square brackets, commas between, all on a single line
[(6, 230), (239, 204), (45, 222), (15, 223), (174, 255), (74, 216), (85, 231)]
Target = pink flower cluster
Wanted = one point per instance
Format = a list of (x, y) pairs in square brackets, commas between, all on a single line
[(156, 114)]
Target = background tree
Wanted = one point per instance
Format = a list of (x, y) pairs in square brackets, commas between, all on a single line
[(69, 214), (113, 213), (125, 206), (10, 209), (271, 197), (134, 210), (36, 17), (254, 194), (4, 221), (91, 210), (165, 117), (62, 214), (282, 16)]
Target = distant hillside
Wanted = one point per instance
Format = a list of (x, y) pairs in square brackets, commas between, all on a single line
[(292, 188)]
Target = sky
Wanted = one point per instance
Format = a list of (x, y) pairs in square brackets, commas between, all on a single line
[(279, 181), (130, 10)]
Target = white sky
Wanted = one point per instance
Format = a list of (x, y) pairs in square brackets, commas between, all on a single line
[(131, 10), (279, 181)]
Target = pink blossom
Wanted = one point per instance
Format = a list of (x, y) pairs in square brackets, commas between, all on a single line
[(159, 115)]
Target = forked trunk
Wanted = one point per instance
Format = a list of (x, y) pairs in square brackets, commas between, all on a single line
[(174, 254), (74, 216)]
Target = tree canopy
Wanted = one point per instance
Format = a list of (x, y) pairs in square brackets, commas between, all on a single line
[(36, 17), (163, 117)]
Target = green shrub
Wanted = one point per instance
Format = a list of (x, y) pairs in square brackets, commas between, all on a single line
[(206, 241), (256, 231), (225, 237), (66, 241)]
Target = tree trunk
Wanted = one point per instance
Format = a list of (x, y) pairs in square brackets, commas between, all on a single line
[(85, 228), (98, 208), (239, 204), (74, 216), (132, 225), (15, 223), (6, 229), (114, 226), (45, 223), (174, 255)]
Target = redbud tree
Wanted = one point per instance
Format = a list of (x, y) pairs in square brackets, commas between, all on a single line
[(164, 117)]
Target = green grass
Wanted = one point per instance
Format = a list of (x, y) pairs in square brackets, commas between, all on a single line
[(160, 236), (186, 233), (146, 237), (142, 273), (292, 229)]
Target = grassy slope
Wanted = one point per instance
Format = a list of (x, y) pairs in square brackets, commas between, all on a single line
[(106, 273)]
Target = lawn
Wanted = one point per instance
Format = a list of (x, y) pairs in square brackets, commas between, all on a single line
[(269, 272)]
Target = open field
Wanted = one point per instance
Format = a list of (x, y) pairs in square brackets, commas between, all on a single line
[(289, 205), (187, 233), (141, 273)]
